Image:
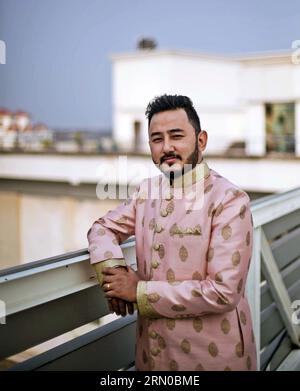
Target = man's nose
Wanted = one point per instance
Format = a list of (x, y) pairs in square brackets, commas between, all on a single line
[(168, 146)]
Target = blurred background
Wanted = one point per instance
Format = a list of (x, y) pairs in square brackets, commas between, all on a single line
[(75, 79)]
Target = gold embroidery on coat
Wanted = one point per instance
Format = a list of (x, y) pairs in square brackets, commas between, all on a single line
[(225, 326), (198, 324), (226, 232), (236, 258), (171, 323), (175, 230), (213, 349), (153, 297), (108, 254), (183, 253), (173, 366), (185, 346), (178, 307)]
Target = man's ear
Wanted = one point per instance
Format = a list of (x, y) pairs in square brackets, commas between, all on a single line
[(202, 140)]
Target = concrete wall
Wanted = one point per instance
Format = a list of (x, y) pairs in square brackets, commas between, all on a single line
[(34, 227)]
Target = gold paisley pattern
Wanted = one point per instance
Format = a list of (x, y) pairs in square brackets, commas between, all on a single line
[(240, 286), (161, 342), (108, 254), (239, 349), (210, 254), (151, 363), (121, 220), (236, 258), (249, 363), (196, 276), (234, 191), (227, 369), (183, 253), (170, 207), (197, 324), (225, 326), (173, 365), (218, 277), (219, 209), (243, 318), (211, 209), (170, 275), (185, 346), (226, 232), (196, 293), (152, 224), (145, 357), (153, 297), (213, 349), (243, 211), (101, 232), (161, 251), (171, 323), (178, 307), (222, 301), (248, 238), (208, 188), (114, 241), (199, 367)]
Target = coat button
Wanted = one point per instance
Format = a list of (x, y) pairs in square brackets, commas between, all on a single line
[(154, 264), (153, 334), (169, 197), (164, 213), (158, 228), (155, 351), (156, 246)]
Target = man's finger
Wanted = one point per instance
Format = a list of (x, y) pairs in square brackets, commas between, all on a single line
[(130, 308), (115, 306), (110, 307), (108, 278), (111, 270), (122, 307)]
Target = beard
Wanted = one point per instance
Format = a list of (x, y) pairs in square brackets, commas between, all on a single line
[(189, 164)]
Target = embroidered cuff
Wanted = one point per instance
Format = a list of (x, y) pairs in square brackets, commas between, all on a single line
[(144, 307), (108, 263)]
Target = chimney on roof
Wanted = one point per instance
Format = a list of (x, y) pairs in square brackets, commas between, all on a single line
[(146, 44)]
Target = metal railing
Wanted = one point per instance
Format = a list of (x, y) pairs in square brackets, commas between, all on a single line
[(48, 298)]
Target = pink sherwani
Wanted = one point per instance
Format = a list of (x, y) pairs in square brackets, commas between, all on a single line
[(193, 252)]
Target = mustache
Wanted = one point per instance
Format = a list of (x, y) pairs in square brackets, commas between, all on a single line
[(169, 156)]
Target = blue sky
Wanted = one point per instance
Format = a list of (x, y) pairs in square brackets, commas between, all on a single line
[(57, 51)]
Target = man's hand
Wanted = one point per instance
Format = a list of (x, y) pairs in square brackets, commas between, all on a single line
[(120, 283), (118, 305)]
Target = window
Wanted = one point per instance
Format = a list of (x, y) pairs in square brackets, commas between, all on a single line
[(280, 127), (137, 135)]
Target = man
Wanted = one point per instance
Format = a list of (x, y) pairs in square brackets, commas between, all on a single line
[(193, 245)]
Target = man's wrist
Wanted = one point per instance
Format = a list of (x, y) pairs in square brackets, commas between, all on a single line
[(114, 262)]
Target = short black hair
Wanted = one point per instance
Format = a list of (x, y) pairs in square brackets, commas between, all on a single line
[(173, 102)]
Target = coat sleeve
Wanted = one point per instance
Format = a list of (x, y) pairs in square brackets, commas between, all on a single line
[(228, 260), (108, 232)]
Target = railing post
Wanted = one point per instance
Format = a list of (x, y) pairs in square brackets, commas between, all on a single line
[(253, 288)]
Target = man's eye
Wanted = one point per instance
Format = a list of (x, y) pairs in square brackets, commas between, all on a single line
[(178, 136), (156, 139)]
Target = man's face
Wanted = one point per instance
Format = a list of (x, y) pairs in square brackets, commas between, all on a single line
[(173, 143)]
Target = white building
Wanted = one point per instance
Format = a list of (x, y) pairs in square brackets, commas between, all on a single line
[(252, 99)]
